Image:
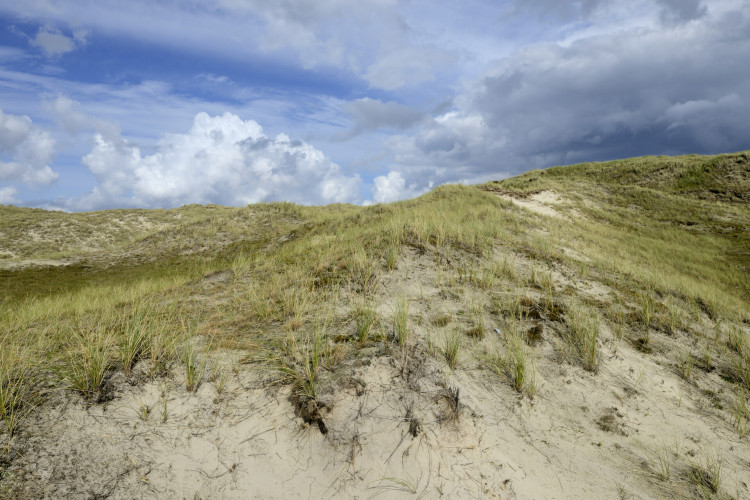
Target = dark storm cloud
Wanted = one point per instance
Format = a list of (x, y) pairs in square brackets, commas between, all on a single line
[(681, 10), (556, 8), (647, 91), (672, 11)]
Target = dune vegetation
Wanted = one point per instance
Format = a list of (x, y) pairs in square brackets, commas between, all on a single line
[(596, 315)]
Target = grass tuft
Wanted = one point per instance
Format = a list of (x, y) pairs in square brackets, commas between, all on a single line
[(15, 388), (136, 334), (88, 360), (685, 365), (193, 367), (391, 254), (741, 412), (661, 463), (476, 319), (706, 473), (401, 321), (581, 335), (365, 318), (452, 348), (739, 367), (517, 363), (646, 312)]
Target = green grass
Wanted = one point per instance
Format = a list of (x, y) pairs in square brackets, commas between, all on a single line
[(685, 365), (141, 333), (476, 320), (646, 313), (302, 362)]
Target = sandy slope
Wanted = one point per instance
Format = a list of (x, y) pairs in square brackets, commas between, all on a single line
[(400, 424)]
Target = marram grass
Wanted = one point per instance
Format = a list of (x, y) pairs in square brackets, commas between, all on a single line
[(664, 234)]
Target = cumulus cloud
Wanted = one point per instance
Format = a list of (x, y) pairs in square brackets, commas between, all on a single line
[(29, 148), (392, 187), (54, 43), (8, 195), (221, 159)]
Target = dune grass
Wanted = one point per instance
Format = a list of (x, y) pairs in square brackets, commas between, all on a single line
[(664, 233), (401, 322), (452, 347), (16, 387), (89, 356), (366, 319), (582, 335), (516, 362)]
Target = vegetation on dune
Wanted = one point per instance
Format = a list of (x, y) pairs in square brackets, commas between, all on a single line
[(639, 219), (301, 288)]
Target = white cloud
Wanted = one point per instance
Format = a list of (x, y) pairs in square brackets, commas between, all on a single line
[(213, 79), (221, 159), (393, 187), (80, 36), (8, 195), (54, 43), (29, 148), (72, 119)]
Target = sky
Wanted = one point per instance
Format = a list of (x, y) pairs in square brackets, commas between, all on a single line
[(161, 103)]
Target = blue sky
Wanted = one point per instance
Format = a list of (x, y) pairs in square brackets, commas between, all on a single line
[(107, 104)]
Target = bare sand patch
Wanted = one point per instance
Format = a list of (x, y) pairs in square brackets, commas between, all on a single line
[(541, 203)]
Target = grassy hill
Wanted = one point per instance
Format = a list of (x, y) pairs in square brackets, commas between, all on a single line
[(598, 311)]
